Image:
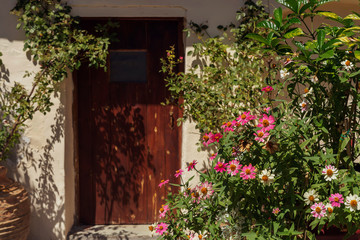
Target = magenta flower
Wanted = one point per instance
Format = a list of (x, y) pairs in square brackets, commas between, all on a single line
[(163, 210), (178, 173), (276, 211), (220, 167), (161, 228), (261, 135), (233, 167), (267, 110), (191, 165), (163, 182), (336, 199), (318, 210), (267, 89), (216, 137), (266, 122), (248, 172), (181, 58), (229, 126), (207, 139), (213, 156), (245, 118)]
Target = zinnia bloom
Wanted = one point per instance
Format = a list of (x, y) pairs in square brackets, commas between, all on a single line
[(261, 135), (245, 118), (311, 196), (205, 190), (329, 209), (352, 202), (161, 228), (314, 79), (233, 167), (191, 165), (163, 182), (266, 177), (347, 64), (213, 156), (318, 210), (178, 173), (276, 211), (207, 139), (163, 210), (284, 73), (307, 91), (330, 173), (229, 126), (304, 106), (216, 137), (248, 172), (267, 89), (336, 199), (266, 122), (220, 167)]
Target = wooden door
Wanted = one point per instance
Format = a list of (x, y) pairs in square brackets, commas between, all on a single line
[(128, 141)]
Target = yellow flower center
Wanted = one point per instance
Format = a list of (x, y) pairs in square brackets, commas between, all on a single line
[(161, 227), (206, 138), (162, 210), (151, 228), (243, 116), (217, 137), (232, 167), (347, 63), (220, 165), (353, 203), (303, 105), (336, 199), (162, 180), (177, 171), (260, 134), (204, 190), (311, 198), (306, 90), (200, 236), (329, 172), (318, 209), (265, 123), (330, 210), (229, 124), (265, 178), (247, 171)]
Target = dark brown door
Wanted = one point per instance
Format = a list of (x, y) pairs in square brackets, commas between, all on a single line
[(128, 141)]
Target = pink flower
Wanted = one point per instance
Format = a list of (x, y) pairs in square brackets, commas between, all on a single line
[(220, 167), (195, 195), (181, 58), (163, 182), (213, 156), (161, 228), (267, 89), (276, 211), (318, 210), (207, 139), (191, 165), (163, 210), (261, 135), (245, 118), (216, 137), (248, 172), (233, 167), (288, 61), (336, 199), (266, 122), (205, 190), (178, 173), (229, 126), (267, 110)]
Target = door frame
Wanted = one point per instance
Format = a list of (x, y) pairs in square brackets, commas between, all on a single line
[(75, 108)]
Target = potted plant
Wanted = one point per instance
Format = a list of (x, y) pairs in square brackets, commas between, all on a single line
[(283, 169)]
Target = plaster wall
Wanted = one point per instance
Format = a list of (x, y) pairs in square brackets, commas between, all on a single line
[(44, 162)]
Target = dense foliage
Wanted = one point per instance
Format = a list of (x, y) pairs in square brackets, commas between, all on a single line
[(283, 169), (56, 43)]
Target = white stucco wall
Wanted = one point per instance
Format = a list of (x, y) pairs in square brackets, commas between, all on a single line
[(46, 164)]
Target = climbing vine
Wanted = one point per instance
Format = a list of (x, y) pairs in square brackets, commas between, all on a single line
[(58, 45)]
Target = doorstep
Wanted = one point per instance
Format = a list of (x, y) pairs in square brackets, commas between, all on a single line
[(110, 232)]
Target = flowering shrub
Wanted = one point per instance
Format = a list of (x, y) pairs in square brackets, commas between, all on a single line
[(284, 169)]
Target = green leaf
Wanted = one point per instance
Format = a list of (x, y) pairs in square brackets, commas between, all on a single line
[(291, 4), (278, 15), (329, 15), (354, 74), (357, 54), (321, 39), (352, 17), (276, 227), (267, 24), (327, 54), (293, 33), (256, 37)]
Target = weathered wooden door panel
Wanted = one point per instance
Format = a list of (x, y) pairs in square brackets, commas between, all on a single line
[(128, 142)]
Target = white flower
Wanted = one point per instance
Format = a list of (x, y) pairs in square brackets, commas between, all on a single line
[(330, 173), (284, 73), (304, 106), (311, 196), (314, 79), (152, 229), (307, 91), (329, 209), (347, 64), (266, 177), (352, 202)]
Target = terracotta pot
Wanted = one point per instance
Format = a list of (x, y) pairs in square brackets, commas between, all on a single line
[(14, 209)]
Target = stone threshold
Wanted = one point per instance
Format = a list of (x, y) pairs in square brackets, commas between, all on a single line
[(110, 232)]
